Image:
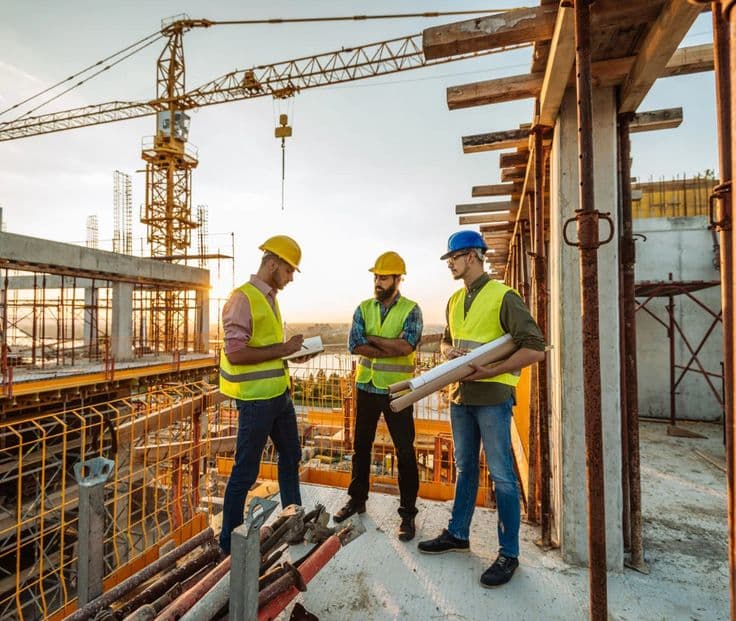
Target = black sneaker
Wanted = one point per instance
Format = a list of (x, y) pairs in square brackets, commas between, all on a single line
[(500, 572), (407, 529), (444, 543), (350, 508)]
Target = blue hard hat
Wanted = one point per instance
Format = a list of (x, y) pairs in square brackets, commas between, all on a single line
[(463, 240)]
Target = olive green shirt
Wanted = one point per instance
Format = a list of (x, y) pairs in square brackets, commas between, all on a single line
[(516, 321)]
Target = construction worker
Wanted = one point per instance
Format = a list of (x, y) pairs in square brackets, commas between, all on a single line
[(253, 373), (385, 332), (481, 405)]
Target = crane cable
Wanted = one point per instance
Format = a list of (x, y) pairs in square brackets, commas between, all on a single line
[(343, 18), (140, 45)]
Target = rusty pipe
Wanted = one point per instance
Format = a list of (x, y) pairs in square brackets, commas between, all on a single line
[(165, 583), (540, 277), (588, 244), (724, 40), (628, 262), (126, 586), (189, 598), (308, 570)]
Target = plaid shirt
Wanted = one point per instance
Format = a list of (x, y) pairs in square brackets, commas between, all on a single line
[(411, 333)]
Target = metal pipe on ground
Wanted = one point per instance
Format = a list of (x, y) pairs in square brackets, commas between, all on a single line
[(628, 262), (189, 598), (308, 570), (587, 224), (125, 587), (727, 38), (166, 582)]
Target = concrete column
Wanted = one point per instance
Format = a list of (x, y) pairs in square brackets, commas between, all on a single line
[(567, 434), (122, 321), (202, 335), (91, 314)]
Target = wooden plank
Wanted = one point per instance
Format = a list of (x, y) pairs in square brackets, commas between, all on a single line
[(494, 228), (693, 59), (493, 141), (518, 159), (484, 218), (467, 208), (525, 25), (656, 119), (509, 88), (685, 61), (559, 67), (513, 27), (512, 174), (498, 189), (658, 47)]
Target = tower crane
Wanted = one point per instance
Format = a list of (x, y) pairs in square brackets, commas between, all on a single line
[(168, 156)]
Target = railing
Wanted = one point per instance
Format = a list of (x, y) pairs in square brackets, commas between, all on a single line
[(173, 448), (157, 442)]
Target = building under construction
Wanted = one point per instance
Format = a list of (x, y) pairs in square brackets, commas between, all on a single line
[(115, 443)]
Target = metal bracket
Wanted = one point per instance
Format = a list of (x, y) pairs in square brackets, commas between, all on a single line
[(718, 194), (97, 469), (91, 476), (583, 215)]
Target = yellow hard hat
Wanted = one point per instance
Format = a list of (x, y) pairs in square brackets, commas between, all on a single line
[(389, 263), (285, 248)]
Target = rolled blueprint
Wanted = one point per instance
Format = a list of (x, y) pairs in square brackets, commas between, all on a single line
[(450, 371)]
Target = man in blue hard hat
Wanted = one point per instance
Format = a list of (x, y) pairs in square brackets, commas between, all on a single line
[(481, 404)]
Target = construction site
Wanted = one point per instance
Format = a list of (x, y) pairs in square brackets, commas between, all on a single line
[(116, 443)]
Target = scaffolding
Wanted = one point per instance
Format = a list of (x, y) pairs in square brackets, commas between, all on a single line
[(122, 238)]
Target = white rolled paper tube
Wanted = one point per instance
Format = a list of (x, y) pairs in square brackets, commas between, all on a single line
[(490, 352)]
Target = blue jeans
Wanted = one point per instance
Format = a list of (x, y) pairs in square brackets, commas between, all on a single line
[(492, 425), (257, 420)]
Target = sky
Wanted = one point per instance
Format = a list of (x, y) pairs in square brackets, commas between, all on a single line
[(373, 165)]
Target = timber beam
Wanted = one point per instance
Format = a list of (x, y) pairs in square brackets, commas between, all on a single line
[(518, 159), (513, 174), (684, 61), (468, 208), (514, 27), (498, 189), (525, 25), (656, 51), (653, 120), (484, 218)]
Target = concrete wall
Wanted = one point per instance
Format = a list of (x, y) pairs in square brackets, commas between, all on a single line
[(682, 247), (565, 335)]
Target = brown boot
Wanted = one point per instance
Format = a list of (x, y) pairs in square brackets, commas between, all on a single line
[(407, 529)]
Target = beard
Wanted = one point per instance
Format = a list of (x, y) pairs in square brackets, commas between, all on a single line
[(384, 294)]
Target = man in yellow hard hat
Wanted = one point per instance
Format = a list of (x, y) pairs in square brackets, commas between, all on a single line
[(385, 332), (253, 373)]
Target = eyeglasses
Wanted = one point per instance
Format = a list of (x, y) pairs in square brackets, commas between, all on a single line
[(457, 255)]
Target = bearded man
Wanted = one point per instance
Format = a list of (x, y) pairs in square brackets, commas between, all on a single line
[(385, 332)]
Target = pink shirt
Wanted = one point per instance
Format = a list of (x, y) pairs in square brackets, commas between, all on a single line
[(237, 319)]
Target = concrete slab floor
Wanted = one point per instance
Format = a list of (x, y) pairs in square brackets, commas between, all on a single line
[(377, 577)]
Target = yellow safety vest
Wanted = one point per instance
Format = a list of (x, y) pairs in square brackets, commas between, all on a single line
[(482, 324), (264, 380), (385, 371)]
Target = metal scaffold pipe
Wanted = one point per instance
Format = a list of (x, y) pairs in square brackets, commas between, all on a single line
[(540, 278), (724, 34), (587, 226), (632, 472)]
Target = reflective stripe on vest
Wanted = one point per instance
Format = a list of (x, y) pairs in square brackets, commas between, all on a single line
[(263, 380), (382, 372), (482, 323)]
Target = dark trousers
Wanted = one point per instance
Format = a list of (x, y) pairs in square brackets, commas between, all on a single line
[(257, 421), (401, 427)]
